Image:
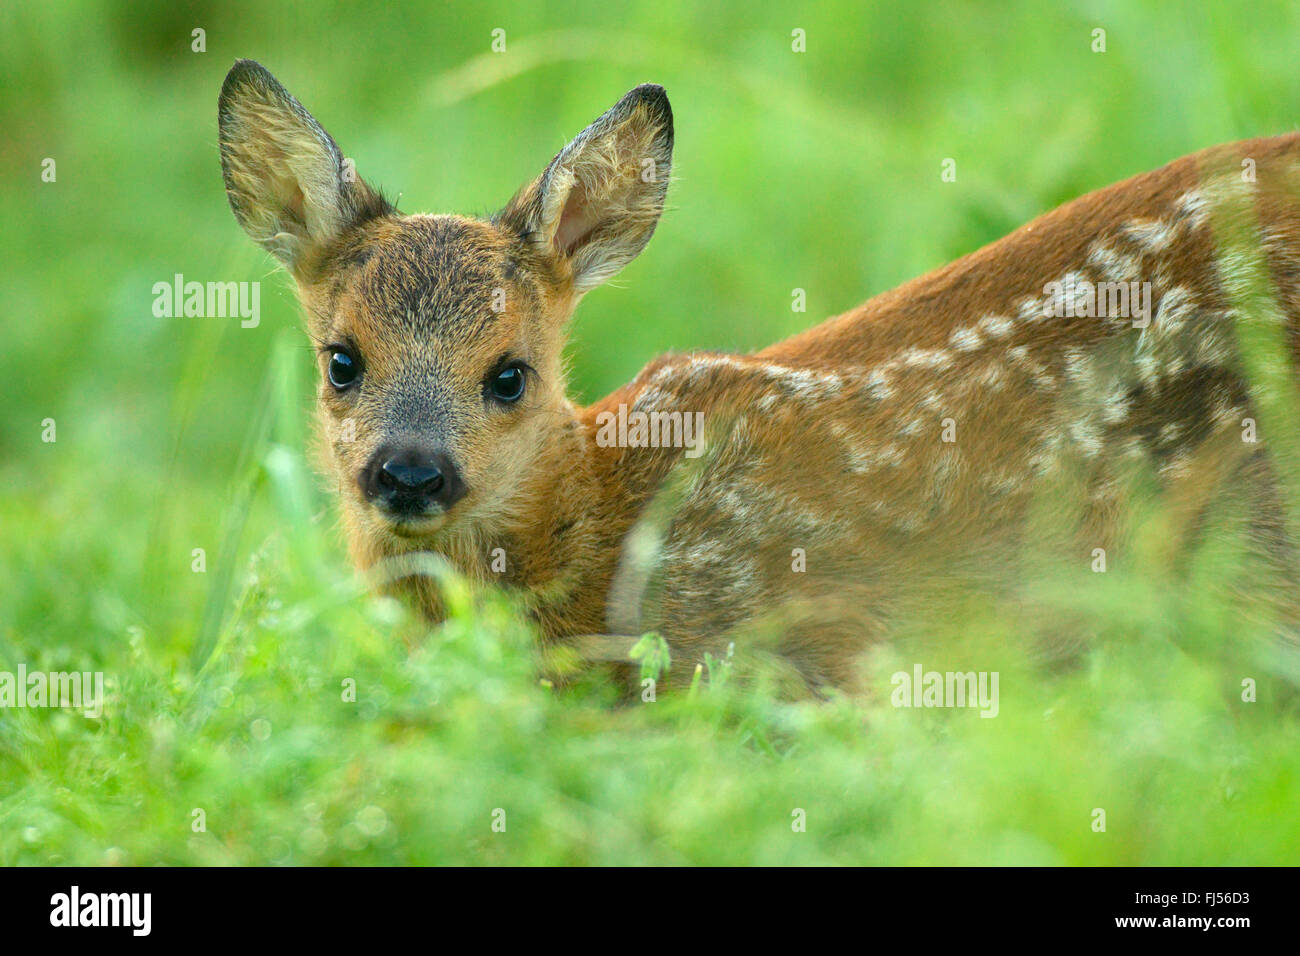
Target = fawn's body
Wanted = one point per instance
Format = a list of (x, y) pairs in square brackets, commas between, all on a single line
[(859, 465)]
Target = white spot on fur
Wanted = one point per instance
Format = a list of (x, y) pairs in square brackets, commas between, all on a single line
[(1032, 309), (1170, 433), (1153, 236), (992, 377), (965, 340), (1115, 407), (860, 462), (1176, 307), (926, 358), (1078, 365), (1037, 370), (1086, 438), (1177, 466), (889, 455), (1193, 208), (1148, 369), (995, 326), (1114, 265), (877, 384), (652, 398)]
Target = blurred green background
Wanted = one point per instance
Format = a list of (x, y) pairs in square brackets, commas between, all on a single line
[(817, 170)]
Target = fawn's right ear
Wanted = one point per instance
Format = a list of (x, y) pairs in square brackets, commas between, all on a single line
[(286, 179)]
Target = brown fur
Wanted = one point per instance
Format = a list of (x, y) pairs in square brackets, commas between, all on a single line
[(828, 442)]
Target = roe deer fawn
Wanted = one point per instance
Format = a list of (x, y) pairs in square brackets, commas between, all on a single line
[(887, 454)]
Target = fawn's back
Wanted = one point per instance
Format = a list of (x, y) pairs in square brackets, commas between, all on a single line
[(895, 451), (843, 477)]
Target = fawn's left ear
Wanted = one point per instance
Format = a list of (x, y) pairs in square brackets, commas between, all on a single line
[(598, 202), (286, 179)]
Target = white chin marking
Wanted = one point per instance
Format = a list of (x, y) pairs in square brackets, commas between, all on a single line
[(418, 526)]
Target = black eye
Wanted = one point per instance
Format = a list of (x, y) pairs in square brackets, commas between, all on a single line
[(508, 384), (343, 369)]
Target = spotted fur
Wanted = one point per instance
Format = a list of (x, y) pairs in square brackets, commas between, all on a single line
[(829, 443)]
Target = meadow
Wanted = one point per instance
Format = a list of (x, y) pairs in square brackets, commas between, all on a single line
[(263, 708)]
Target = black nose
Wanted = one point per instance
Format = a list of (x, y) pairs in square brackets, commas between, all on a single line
[(411, 481)]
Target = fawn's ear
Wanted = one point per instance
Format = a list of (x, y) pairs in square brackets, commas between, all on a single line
[(599, 200), (285, 176)]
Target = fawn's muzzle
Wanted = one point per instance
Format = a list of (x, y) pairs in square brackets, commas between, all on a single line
[(411, 481)]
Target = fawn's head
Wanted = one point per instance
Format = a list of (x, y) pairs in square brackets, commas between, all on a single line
[(439, 337)]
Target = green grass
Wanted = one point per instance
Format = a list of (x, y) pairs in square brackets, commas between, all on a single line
[(817, 171)]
